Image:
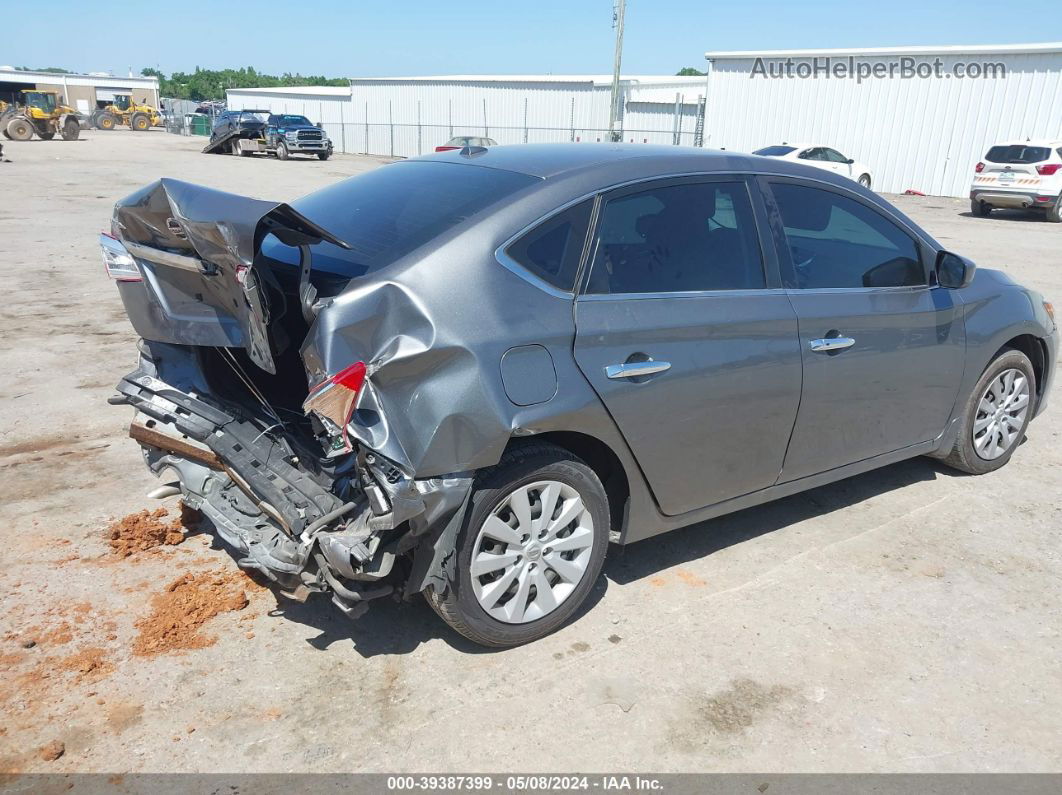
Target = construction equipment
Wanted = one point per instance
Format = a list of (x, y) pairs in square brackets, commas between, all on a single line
[(43, 113), (123, 110)]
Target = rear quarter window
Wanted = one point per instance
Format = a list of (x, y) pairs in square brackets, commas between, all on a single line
[(552, 250)]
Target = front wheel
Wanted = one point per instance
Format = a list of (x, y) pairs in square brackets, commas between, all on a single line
[(996, 415), (282, 151), (864, 180), (531, 551), (140, 122), (324, 155)]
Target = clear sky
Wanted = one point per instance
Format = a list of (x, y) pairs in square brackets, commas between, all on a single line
[(344, 38)]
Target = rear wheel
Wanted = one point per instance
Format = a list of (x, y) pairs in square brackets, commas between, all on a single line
[(980, 208), (106, 121), (1054, 214), (46, 136), (282, 151), (139, 122), (19, 130), (996, 415), (864, 180), (532, 550)]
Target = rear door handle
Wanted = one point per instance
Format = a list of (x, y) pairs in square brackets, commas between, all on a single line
[(827, 344), (635, 369)]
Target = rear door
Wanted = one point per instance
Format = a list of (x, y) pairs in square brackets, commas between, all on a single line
[(685, 334), (883, 349)]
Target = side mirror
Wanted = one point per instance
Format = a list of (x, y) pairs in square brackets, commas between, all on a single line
[(954, 271), (849, 161)]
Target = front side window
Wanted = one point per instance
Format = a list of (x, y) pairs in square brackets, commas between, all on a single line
[(816, 153), (551, 251), (834, 156), (835, 241), (678, 238)]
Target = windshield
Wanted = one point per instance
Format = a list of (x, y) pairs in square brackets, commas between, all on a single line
[(45, 102), (1017, 153), (775, 151), (252, 116), (394, 209), (282, 120), (122, 102)]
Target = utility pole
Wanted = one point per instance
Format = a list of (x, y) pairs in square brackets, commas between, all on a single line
[(613, 111)]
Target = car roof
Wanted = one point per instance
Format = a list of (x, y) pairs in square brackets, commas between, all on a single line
[(556, 160)]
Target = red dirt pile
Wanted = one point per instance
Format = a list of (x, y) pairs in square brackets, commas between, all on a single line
[(140, 532), (179, 612)]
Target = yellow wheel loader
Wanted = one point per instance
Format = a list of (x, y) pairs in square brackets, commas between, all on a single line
[(126, 112), (43, 113)]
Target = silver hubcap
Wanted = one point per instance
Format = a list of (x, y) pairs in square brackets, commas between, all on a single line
[(532, 552), (1001, 414)]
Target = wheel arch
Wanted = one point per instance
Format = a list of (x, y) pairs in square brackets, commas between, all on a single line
[(1036, 349), (599, 457)]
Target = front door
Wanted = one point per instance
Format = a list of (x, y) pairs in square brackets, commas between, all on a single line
[(883, 350), (683, 331)]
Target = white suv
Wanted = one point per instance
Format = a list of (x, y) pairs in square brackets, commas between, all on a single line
[(1024, 175)]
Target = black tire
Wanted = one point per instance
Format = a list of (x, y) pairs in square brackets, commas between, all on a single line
[(139, 122), (71, 130), (282, 151), (46, 136), (324, 155), (979, 208), (106, 121), (1054, 214), (963, 455), (458, 606), (19, 130), (864, 180)]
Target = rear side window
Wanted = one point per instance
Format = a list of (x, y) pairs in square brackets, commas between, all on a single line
[(551, 251), (678, 238), (1018, 153), (835, 241)]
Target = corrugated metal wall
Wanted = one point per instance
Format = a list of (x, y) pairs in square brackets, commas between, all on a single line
[(926, 134), (404, 118)]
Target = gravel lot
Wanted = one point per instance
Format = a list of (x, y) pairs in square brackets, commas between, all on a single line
[(904, 620)]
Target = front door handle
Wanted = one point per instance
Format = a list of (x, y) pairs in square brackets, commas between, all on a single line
[(635, 369), (828, 344)]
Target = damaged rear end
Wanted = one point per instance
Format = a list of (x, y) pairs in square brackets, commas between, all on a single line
[(239, 410)]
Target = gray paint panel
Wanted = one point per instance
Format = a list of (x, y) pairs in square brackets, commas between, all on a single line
[(528, 375)]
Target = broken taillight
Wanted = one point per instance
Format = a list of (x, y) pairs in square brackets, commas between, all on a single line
[(334, 400), (118, 262)]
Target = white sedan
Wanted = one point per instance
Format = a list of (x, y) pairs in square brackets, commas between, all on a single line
[(822, 157)]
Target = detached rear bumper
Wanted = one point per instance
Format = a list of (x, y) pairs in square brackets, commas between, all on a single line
[(358, 531)]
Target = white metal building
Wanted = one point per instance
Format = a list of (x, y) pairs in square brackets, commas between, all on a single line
[(406, 116), (923, 130)]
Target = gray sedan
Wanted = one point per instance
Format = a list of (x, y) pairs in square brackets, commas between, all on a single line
[(466, 374)]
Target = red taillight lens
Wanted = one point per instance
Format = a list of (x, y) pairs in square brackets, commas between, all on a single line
[(1049, 169), (334, 400), (979, 168), (118, 262), (446, 148)]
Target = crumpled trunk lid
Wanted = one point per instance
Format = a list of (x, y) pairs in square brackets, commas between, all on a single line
[(196, 248)]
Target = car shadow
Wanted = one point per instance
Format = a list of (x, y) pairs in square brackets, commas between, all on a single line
[(1006, 214), (392, 626), (645, 558)]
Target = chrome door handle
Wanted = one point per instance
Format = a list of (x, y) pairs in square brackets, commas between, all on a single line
[(827, 344), (635, 369)]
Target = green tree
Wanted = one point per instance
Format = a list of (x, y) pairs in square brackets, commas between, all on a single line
[(689, 71)]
